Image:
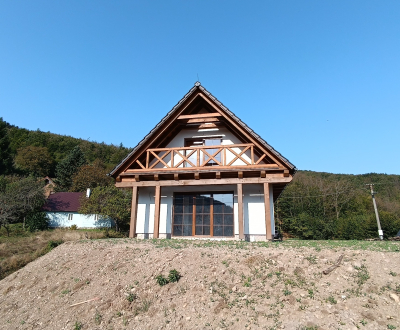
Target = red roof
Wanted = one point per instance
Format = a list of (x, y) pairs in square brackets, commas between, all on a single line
[(63, 202)]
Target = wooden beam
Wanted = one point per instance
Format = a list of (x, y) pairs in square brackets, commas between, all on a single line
[(176, 177), (240, 175), (200, 115), (267, 211), (137, 178), (240, 210), (263, 174), (197, 176), (202, 120), (118, 179), (157, 201), (218, 175), (156, 178), (134, 205), (201, 182), (286, 173)]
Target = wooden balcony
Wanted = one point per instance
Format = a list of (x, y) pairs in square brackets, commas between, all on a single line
[(199, 158)]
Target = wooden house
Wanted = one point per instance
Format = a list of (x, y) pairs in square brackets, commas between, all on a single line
[(201, 172)]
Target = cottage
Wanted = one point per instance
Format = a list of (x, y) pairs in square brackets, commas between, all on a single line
[(201, 172), (62, 211)]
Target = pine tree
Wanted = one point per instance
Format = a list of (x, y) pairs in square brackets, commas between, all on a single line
[(5, 154), (66, 169)]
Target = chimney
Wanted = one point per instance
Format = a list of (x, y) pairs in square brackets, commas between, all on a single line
[(88, 191)]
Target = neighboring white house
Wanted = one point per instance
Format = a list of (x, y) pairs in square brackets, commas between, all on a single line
[(201, 172), (62, 211)]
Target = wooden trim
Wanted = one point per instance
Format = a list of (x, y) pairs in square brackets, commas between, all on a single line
[(197, 176), (218, 175), (286, 173), (137, 178), (240, 210), (202, 120), (238, 156), (134, 207), (118, 179), (157, 201), (201, 182), (260, 159), (267, 212), (240, 175), (203, 147), (140, 164), (200, 115), (263, 174), (176, 177), (156, 178)]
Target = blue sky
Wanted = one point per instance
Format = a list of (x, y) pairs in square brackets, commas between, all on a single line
[(318, 80)]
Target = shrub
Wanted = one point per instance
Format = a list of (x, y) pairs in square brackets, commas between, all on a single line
[(73, 227), (161, 280), (37, 221), (174, 276)]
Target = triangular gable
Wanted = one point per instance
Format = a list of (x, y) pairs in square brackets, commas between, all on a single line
[(202, 103)]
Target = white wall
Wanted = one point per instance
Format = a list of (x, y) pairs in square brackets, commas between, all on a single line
[(253, 200), (60, 219)]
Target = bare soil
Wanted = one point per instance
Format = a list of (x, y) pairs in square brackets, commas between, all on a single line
[(223, 285)]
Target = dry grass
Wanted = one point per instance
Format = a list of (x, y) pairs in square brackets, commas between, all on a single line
[(21, 248)]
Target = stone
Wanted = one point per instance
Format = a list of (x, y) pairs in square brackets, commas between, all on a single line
[(394, 297)]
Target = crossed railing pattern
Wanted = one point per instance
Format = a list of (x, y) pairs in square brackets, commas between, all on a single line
[(201, 156)]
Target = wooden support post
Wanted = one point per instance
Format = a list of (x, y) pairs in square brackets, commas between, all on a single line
[(118, 179), (240, 210), (156, 178), (157, 200), (218, 175), (267, 211), (263, 174), (132, 227), (197, 176), (137, 178), (176, 176), (240, 175)]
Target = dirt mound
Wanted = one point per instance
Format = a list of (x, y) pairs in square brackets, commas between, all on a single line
[(233, 286)]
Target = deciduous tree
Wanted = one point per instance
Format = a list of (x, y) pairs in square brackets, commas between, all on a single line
[(34, 160)]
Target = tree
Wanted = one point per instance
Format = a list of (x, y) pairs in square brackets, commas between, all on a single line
[(34, 160), (68, 167), (91, 176), (110, 202), (20, 199), (5, 153)]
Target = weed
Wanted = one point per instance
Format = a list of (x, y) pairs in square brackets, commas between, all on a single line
[(97, 318), (311, 293), (362, 274), (393, 273), (225, 263), (363, 322), (66, 291), (391, 327), (131, 297), (145, 305), (312, 259), (174, 276), (161, 280), (77, 325), (247, 283), (331, 300), (286, 292), (73, 227)]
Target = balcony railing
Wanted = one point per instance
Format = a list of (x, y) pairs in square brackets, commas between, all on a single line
[(202, 156)]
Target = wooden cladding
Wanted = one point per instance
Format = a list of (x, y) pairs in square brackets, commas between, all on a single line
[(198, 157)]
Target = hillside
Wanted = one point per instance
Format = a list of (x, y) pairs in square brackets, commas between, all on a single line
[(231, 285), (13, 138)]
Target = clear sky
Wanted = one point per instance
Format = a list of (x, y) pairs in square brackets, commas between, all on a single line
[(318, 80)]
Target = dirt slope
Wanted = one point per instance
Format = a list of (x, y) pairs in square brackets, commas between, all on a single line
[(233, 286)]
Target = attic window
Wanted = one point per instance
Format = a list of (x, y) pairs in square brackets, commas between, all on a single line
[(204, 141)]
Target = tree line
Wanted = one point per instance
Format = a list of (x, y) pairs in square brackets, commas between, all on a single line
[(338, 206)]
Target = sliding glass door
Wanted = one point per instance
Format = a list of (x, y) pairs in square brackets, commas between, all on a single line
[(197, 214)]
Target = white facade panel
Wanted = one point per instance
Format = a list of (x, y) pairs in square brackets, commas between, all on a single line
[(67, 219)]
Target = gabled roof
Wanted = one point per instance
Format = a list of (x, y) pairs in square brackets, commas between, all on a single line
[(63, 202), (176, 108)]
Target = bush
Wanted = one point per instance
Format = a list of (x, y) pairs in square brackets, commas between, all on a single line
[(173, 276), (37, 221), (73, 227)]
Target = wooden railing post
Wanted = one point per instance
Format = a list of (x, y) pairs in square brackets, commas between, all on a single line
[(268, 232), (157, 201), (240, 210), (132, 227)]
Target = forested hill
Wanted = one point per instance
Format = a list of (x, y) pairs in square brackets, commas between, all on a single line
[(324, 206), (16, 144)]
